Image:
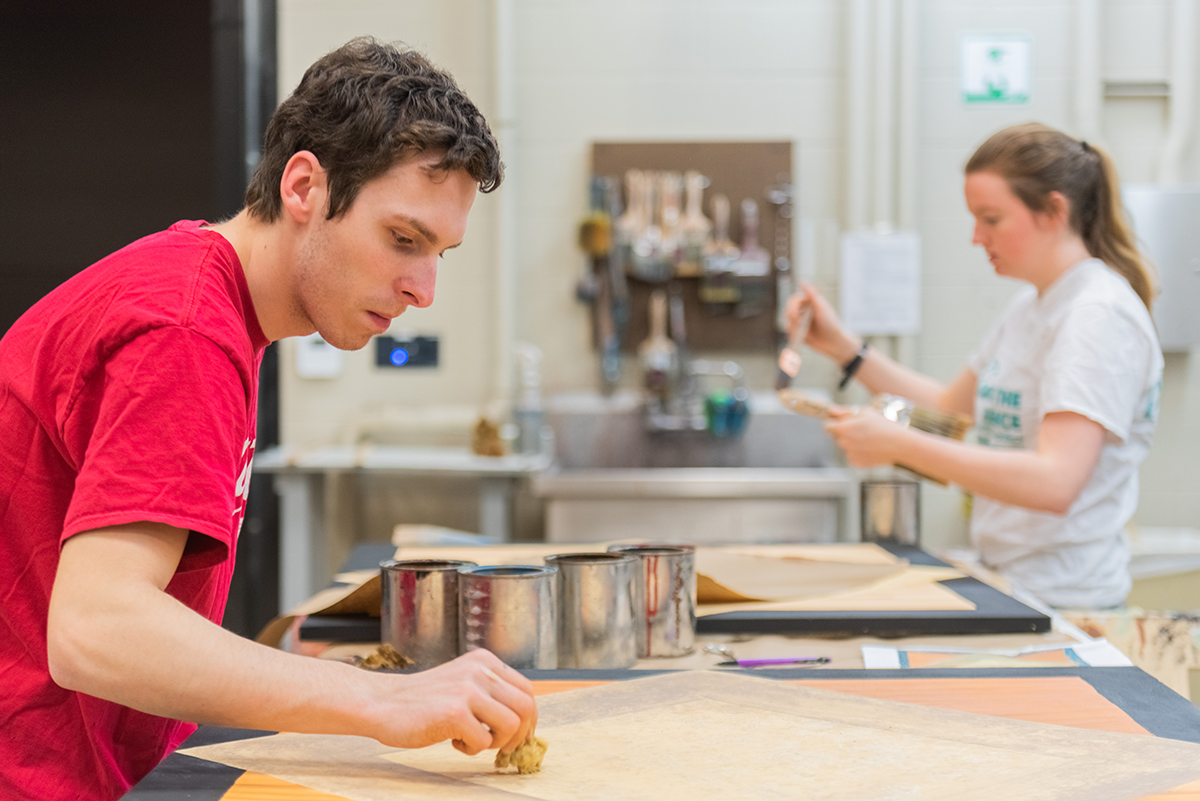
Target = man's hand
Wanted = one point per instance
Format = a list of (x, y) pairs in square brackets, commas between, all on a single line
[(476, 701)]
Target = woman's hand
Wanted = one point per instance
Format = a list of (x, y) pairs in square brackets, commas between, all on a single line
[(867, 438), (826, 335)]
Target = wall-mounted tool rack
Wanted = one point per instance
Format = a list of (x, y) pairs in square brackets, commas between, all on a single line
[(737, 170)]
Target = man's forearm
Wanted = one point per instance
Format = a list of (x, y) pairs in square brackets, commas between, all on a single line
[(176, 664), (114, 633)]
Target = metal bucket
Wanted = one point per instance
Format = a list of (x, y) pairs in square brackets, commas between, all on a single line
[(665, 588), (419, 614), (891, 512), (509, 610), (596, 625)]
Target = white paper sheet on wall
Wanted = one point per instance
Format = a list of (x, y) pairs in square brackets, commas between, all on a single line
[(881, 283)]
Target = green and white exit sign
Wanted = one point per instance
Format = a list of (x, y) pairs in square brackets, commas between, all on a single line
[(996, 68)]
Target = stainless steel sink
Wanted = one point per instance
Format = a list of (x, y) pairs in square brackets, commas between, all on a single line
[(596, 432), (616, 480)]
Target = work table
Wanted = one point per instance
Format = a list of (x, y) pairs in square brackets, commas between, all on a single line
[(1107, 699), (1112, 699)]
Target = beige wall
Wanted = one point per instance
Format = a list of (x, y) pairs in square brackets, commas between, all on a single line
[(726, 69), (456, 34)]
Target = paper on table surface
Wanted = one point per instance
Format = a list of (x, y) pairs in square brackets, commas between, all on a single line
[(916, 589), (858, 552), (1096, 653), (704, 734), (727, 575)]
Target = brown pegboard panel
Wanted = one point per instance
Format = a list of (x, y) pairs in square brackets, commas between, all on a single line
[(737, 170)]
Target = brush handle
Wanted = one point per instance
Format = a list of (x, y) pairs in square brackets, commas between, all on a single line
[(789, 357), (803, 403)]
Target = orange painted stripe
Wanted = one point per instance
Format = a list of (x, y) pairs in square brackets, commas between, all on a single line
[(1188, 792), (261, 787), (1063, 700), (926, 659), (552, 687)]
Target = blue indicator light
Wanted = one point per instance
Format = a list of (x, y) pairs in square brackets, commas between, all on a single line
[(399, 356)]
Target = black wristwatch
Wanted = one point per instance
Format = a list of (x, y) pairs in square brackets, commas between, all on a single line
[(851, 367)]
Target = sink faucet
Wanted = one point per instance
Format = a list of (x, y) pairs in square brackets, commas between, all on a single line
[(688, 408)]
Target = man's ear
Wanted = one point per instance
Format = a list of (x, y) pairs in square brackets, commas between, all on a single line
[(303, 188)]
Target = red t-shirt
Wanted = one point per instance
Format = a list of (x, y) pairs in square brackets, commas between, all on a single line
[(127, 394)]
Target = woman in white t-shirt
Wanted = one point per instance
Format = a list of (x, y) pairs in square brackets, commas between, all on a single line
[(1063, 389)]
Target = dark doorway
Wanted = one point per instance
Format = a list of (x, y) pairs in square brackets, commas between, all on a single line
[(118, 118), (106, 133)]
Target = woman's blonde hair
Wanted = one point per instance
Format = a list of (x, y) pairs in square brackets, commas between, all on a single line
[(1036, 160)]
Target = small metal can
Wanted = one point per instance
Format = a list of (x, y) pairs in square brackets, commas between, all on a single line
[(509, 610), (891, 512), (419, 613), (665, 595), (596, 624)]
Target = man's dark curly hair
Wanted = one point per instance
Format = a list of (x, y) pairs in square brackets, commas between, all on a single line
[(364, 108)]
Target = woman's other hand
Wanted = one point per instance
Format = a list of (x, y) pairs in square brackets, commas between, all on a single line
[(866, 437)]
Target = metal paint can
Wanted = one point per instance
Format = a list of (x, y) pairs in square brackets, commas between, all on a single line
[(596, 623), (509, 610), (891, 512), (419, 613), (665, 595)]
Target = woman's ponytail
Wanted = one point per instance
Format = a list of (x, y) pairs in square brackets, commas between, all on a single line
[(1109, 237)]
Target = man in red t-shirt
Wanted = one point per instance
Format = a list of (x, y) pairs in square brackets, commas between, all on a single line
[(127, 406)]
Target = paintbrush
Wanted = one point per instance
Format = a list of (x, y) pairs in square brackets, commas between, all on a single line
[(789, 356), (905, 412), (894, 408)]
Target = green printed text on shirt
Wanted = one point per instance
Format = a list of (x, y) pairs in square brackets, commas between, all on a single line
[(999, 422)]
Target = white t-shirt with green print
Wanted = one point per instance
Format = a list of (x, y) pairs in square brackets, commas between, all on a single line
[(1087, 345)]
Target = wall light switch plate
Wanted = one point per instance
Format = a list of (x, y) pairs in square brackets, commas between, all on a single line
[(406, 351), (316, 358)]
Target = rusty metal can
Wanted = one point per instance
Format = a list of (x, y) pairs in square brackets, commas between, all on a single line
[(665, 587)]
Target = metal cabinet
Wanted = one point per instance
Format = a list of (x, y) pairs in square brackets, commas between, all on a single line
[(1166, 220)]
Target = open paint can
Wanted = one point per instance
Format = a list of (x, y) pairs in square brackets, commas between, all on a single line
[(419, 613), (509, 610), (596, 604), (665, 587)]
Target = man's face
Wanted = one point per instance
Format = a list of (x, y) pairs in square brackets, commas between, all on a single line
[(356, 273)]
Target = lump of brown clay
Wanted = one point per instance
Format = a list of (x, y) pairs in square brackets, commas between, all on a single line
[(526, 757), (385, 657)]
